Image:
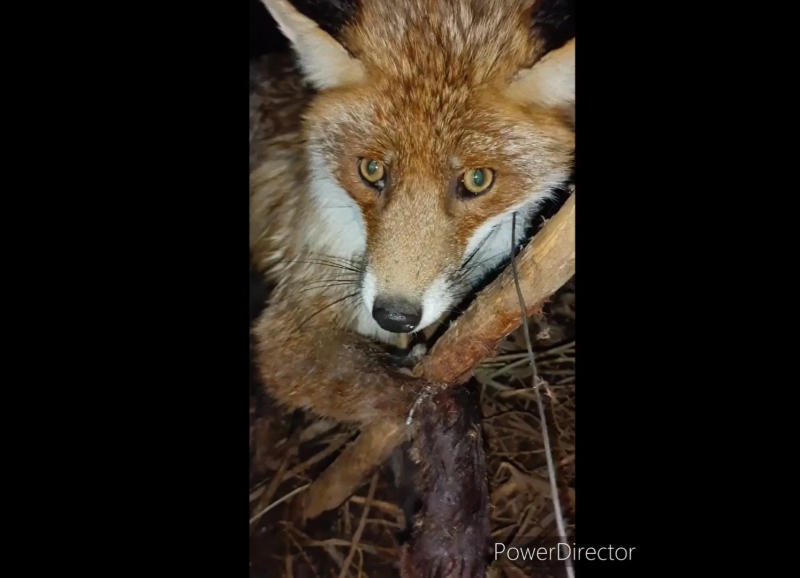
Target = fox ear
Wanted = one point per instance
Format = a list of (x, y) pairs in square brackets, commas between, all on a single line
[(550, 82), (324, 61)]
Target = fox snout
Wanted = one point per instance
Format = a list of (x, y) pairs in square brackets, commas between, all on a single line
[(403, 313), (406, 295), (410, 259)]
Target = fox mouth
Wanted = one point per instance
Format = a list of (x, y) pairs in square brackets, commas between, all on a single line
[(403, 315)]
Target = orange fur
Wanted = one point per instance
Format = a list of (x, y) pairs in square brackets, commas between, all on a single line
[(430, 88)]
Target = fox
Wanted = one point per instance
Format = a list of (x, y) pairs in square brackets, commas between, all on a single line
[(389, 154)]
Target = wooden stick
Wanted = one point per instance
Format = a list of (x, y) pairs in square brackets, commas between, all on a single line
[(544, 266), (360, 529), (338, 482)]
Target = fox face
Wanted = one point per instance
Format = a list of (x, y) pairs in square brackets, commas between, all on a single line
[(435, 121)]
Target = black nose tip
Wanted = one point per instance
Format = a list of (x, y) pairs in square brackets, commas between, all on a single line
[(396, 315)]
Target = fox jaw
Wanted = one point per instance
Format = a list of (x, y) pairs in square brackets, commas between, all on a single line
[(428, 132)]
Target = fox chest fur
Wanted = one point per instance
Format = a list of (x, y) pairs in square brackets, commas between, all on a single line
[(387, 163)]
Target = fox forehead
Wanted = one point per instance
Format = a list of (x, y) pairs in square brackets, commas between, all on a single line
[(457, 42)]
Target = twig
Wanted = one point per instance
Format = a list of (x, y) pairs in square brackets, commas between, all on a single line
[(288, 566), (368, 548), (346, 516), (277, 479), (333, 446), (551, 469), (302, 553), (279, 501), (387, 507), (361, 525)]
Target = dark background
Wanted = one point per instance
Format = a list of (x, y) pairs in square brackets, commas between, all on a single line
[(264, 34), (124, 411)]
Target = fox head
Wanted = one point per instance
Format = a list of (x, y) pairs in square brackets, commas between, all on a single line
[(433, 123)]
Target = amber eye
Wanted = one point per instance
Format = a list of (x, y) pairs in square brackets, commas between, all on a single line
[(478, 181), (371, 171)]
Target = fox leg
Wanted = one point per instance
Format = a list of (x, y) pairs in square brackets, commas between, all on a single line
[(333, 373), (339, 375)]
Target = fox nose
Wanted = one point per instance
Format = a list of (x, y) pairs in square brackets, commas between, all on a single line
[(396, 315)]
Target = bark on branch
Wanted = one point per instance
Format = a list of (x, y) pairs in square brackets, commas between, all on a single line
[(544, 266)]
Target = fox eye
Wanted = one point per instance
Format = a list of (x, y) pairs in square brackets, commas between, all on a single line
[(476, 182), (372, 171)]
